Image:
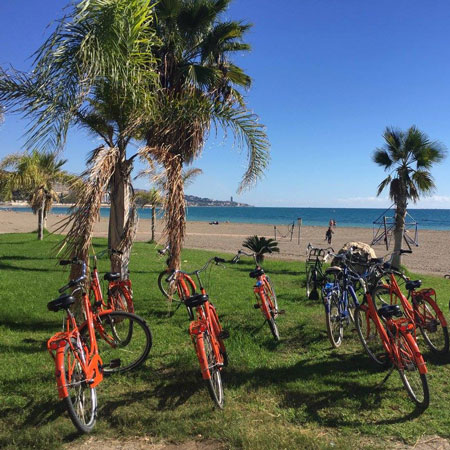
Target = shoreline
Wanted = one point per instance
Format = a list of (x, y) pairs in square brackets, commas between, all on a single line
[(430, 257)]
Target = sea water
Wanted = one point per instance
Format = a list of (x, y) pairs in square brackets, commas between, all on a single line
[(434, 219)]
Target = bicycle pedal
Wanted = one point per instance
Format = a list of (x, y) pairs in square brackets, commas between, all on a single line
[(114, 363), (224, 334), (256, 306), (281, 311)]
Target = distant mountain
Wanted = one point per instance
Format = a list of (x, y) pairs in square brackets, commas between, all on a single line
[(192, 200)]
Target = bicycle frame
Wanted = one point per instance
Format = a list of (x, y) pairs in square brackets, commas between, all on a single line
[(260, 289), (91, 364), (394, 327), (206, 321), (410, 310), (123, 285)]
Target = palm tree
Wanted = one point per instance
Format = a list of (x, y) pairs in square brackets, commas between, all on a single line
[(154, 198), (408, 156), (199, 89), (94, 71), (35, 173)]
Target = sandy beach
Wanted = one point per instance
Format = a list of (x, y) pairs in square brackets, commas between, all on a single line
[(432, 255)]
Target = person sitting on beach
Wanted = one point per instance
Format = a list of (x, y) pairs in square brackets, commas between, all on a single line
[(328, 235), (214, 223)]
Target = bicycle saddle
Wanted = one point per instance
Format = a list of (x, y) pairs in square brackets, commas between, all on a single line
[(196, 300), (256, 273), (62, 302), (413, 284), (333, 269), (389, 311), (111, 276)]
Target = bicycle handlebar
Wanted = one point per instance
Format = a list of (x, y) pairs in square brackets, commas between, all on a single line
[(214, 259), (253, 255), (76, 281)]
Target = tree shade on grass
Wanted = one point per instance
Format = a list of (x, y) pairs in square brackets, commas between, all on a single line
[(298, 393)]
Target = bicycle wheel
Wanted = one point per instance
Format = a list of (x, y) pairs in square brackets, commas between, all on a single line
[(81, 403), (167, 288), (427, 318), (415, 383), (335, 326), (309, 283), (217, 327), (117, 300), (214, 382), (124, 341), (271, 296), (381, 296), (274, 328), (368, 335)]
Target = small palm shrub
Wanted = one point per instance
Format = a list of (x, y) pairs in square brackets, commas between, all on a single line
[(261, 245)]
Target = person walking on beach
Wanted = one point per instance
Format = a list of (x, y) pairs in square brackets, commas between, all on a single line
[(329, 234)]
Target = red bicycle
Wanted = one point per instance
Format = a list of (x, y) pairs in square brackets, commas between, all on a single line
[(176, 287), (264, 292), (388, 337), (124, 338), (420, 306), (206, 333), (119, 293), (78, 366)]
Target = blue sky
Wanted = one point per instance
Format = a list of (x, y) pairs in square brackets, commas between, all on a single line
[(328, 77)]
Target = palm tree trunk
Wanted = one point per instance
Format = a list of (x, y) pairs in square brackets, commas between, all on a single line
[(399, 229), (175, 227), (41, 220), (118, 216), (153, 222)]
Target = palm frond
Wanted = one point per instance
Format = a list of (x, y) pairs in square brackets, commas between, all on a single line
[(86, 210), (383, 184), (249, 132)]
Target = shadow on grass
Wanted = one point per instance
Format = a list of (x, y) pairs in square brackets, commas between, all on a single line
[(24, 269), (39, 325), (337, 372)]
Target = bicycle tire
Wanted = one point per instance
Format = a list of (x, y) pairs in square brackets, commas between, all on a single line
[(217, 329), (381, 295), (80, 394), (437, 341), (274, 328), (122, 336), (335, 327), (415, 383), (271, 295), (214, 382), (308, 281), (118, 301), (166, 287), (368, 335)]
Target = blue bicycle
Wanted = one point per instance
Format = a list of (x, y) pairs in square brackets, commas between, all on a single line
[(340, 299)]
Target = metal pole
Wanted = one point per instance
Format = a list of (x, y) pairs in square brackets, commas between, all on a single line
[(299, 220), (275, 231)]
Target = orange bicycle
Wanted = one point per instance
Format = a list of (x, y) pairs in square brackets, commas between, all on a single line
[(119, 293), (207, 334), (419, 306), (78, 366), (124, 338), (264, 293), (388, 337), (176, 288)]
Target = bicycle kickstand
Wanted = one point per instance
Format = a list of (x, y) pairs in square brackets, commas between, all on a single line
[(378, 386)]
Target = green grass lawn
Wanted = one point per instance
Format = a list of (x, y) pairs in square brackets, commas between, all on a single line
[(292, 394)]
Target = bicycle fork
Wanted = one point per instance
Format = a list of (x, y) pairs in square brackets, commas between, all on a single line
[(197, 331)]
